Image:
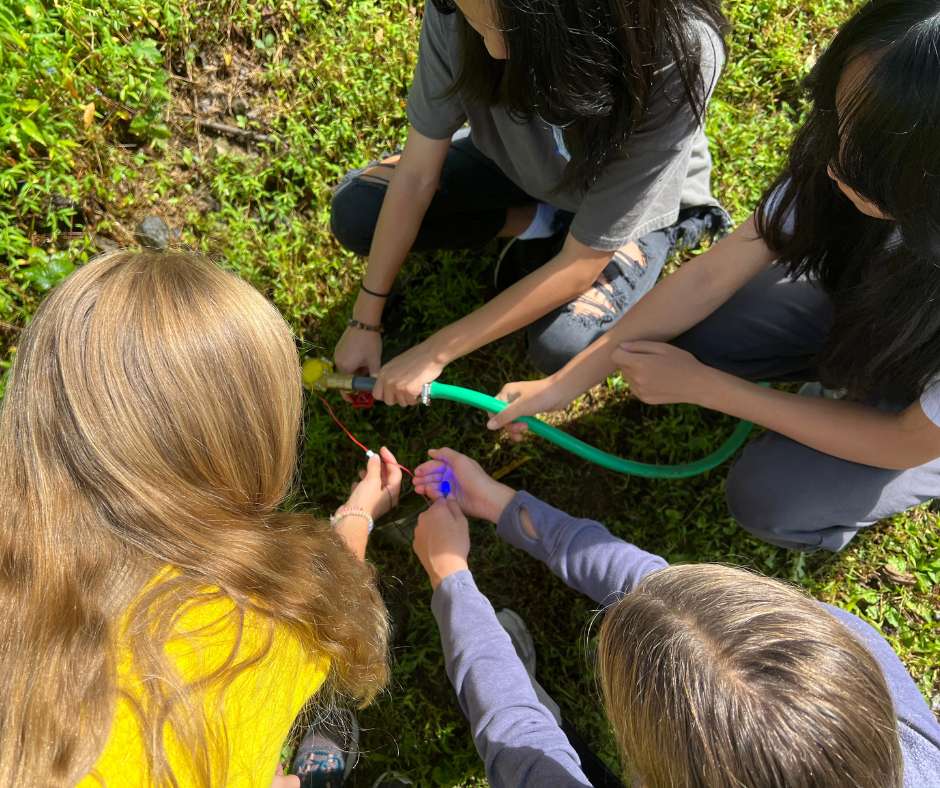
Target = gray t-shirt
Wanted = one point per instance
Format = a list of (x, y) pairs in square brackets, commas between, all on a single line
[(665, 166), (930, 401)]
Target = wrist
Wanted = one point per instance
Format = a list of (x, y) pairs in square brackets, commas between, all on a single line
[(497, 499), (368, 309), (446, 566), (361, 516), (711, 388), (436, 348), (448, 344), (566, 384)]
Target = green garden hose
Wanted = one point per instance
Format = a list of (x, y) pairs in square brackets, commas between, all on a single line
[(591, 453), (318, 374)]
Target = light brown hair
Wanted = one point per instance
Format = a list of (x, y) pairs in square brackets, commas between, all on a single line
[(714, 677), (151, 421)]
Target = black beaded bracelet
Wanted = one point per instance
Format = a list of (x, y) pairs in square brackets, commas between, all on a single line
[(372, 292), (353, 323)]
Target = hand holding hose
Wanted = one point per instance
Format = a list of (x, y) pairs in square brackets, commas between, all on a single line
[(660, 374), (400, 381), (317, 376), (526, 398), (358, 351)]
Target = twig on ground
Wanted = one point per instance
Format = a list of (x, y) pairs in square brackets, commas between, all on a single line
[(233, 131)]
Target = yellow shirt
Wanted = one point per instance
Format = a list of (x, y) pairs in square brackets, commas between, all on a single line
[(257, 708)]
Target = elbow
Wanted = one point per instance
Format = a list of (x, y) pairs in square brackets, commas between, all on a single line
[(418, 184), (908, 464), (906, 461), (584, 276)]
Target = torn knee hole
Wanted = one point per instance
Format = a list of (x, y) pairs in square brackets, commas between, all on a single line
[(631, 254), (382, 171)]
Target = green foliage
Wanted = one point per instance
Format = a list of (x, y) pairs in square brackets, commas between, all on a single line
[(73, 78), (325, 82)]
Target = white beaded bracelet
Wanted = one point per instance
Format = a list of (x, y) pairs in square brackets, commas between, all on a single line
[(343, 512)]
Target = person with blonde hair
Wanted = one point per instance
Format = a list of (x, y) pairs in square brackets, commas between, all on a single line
[(711, 676), (162, 620)]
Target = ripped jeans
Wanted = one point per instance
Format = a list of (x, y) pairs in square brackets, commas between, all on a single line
[(556, 338), (468, 211)]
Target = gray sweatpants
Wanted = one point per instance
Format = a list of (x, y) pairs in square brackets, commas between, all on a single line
[(781, 491)]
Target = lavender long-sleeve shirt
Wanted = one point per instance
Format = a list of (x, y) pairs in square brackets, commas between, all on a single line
[(517, 737)]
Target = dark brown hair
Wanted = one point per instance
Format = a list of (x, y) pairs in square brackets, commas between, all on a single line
[(883, 142), (588, 66)]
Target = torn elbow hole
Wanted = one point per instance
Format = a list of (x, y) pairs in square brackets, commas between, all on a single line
[(528, 527)]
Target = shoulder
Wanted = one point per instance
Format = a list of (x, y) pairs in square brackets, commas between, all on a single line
[(442, 28), (207, 631), (707, 43), (911, 708), (930, 400), (700, 55), (211, 632)]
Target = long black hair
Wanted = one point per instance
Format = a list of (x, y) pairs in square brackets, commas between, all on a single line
[(587, 66), (883, 141)]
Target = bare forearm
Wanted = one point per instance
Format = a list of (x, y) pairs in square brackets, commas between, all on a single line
[(411, 187), (403, 209), (674, 305), (554, 284), (355, 533), (848, 430), (520, 305)]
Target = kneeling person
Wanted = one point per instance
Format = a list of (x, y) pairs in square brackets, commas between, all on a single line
[(711, 675)]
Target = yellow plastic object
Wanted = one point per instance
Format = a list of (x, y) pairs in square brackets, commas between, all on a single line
[(314, 369)]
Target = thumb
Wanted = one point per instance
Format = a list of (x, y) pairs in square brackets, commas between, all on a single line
[(386, 454), (508, 414), (445, 454), (455, 510), (439, 510), (374, 469)]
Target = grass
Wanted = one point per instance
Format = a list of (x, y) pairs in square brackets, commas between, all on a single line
[(97, 130)]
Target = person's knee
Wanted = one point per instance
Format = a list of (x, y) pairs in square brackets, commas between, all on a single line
[(553, 344), (766, 507), (706, 342), (354, 213)]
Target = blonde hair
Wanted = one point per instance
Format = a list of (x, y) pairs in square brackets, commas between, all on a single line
[(715, 677), (151, 420)]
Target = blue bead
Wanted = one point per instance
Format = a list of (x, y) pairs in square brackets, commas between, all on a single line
[(445, 488)]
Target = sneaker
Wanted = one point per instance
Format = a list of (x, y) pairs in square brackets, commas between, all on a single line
[(518, 258), (328, 752), (525, 649)]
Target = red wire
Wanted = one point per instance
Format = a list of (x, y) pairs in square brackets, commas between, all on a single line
[(352, 437)]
